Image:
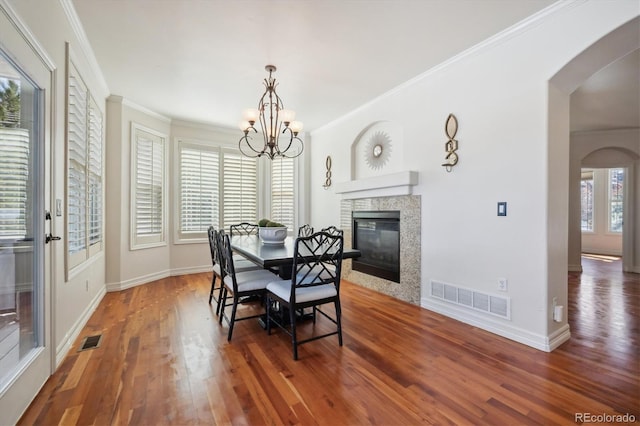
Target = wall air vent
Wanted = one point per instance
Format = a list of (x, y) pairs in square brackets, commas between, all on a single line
[(484, 302)]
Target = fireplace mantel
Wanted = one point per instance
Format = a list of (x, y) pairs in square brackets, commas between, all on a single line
[(390, 185)]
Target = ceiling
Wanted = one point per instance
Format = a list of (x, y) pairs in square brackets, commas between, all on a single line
[(203, 60)]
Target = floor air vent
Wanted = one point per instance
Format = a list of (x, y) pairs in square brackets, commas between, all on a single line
[(90, 342), (484, 302)]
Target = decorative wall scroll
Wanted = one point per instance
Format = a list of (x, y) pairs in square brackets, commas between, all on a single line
[(327, 182), (451, 146)]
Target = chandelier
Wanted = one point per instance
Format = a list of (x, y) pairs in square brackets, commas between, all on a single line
[(278, 128)]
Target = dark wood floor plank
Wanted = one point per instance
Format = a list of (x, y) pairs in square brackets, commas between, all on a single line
[(164, 360)]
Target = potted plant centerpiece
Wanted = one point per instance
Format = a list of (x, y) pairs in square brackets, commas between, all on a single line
[(271, 232)]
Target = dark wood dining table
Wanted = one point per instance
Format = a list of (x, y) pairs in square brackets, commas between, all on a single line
[(271, 256)]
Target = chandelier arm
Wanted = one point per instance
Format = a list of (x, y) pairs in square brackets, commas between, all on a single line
[(247, 139), (297, 151)]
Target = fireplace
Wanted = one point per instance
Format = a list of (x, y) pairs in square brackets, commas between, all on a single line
[(377, 235)]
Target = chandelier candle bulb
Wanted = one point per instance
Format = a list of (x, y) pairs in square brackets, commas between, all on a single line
[(287, 116), (250, 115), (296, 127)]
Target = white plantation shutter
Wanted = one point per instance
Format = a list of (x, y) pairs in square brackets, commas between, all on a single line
[(14, 175), (77, 168), (95, 174), (148, 195), (240, 189), (199, 189), (282, 191)]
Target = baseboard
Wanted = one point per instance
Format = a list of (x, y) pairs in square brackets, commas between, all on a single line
[(190, 270), (63, 348), (145, 279), (633, 269), (575, 268), (537, 341), (558, 337)]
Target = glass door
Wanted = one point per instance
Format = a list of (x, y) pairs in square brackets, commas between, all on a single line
[(25, 349)]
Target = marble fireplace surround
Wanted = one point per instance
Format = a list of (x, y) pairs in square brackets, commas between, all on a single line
[(408, 289)]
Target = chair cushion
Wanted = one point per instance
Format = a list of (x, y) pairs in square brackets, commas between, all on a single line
[(216, 269), (250, 280), (282, 289), (242, 265)]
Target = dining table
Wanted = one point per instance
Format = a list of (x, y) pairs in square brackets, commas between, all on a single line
[(274, 256)]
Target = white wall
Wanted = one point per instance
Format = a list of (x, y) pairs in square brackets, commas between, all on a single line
[(500, 95)]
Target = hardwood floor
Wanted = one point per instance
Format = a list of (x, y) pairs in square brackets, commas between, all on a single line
[(165, 360)]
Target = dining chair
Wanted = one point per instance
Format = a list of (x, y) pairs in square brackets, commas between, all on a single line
[(305, 230), (315, 281), (332, 230), (238, 286), (241, 265), (243, 228), (215, 260)]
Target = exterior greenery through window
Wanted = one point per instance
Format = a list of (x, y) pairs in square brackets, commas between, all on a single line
[(586, 198), (601, 192), (14, 163), (84, 173), (616, 185)]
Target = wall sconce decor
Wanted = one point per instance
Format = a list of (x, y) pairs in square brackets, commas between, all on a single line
[(451, 146), (327, 182)]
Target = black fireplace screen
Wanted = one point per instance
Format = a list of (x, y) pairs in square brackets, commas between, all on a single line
[(377, 235)]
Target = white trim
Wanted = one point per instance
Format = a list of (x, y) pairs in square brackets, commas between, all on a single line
[(146, 279), (390, 185), (501, 328), (65, 345), (27, 35), (85, 46), (144, 110)]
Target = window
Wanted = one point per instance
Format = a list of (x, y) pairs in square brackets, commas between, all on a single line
[(586, 197), (148, 198), (14, 160), (84, 171), (240, 188), (616, 185), (199, 189), (282, 192), (95, 175)]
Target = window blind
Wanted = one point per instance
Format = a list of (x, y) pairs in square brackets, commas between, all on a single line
[(14, 175), (240, 189), (77, 163), (199, 189), (149, 187), (95, 174), (282, 191)]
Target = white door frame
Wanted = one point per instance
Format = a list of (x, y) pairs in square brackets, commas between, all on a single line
[(17, 41)]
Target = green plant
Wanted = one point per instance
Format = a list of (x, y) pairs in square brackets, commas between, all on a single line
[(266, 223)]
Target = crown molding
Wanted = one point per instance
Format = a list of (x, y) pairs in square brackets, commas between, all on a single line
[(83, 41)]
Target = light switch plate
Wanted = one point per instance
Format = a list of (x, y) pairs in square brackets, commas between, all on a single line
[(502, 208)]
